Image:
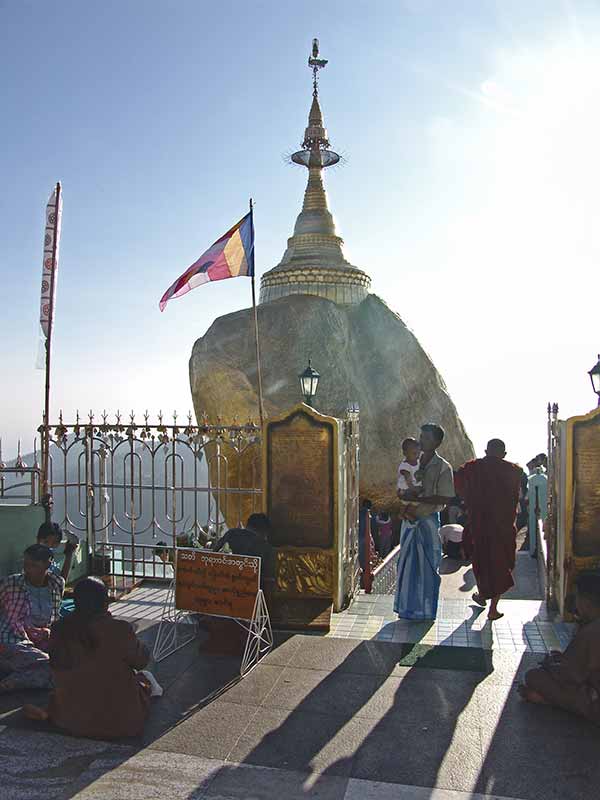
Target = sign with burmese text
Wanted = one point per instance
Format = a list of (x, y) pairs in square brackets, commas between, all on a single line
[(586, 479), (300, 495), (220, 584)]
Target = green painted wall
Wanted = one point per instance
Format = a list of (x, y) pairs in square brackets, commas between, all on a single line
[(18, 529)]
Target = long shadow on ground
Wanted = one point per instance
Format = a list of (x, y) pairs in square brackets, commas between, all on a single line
[(59, 765), (342, 709), (534, 752)]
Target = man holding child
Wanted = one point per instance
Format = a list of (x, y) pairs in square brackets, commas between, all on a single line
[(425, 485)]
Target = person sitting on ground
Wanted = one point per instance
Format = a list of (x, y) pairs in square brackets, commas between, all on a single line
[(407, 479), (384, 525), (94, 657), (451, 535), (29, 604), (571, 680), (162, 568), (253, 540), (51, 534)]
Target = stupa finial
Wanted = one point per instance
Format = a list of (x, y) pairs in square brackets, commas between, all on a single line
[(316, 63), (316, 150), (313, 262)]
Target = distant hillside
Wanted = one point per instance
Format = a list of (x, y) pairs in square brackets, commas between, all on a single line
[(72, 497)]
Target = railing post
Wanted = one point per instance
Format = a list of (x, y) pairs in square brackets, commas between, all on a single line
[(367, 572), (104, 497), (89, 490), (174, 482), (533, 545), (131, 505)]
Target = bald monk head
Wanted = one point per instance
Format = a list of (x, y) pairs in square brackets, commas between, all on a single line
[(495, 448)]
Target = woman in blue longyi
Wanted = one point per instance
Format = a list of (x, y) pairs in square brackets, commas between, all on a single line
[(418, 578)]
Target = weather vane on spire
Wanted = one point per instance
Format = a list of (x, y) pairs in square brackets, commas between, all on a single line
[(316, 150), (315, 63)]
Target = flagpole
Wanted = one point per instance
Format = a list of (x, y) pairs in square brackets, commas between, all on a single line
[(261, 412), (46, 437)]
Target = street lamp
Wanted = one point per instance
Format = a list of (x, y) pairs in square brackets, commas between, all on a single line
[(309, 381), (594, 374)]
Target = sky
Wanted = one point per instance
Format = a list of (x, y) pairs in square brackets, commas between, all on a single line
[(470, 131)]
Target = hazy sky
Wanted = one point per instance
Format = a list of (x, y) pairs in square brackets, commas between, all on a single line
[(471, 131)]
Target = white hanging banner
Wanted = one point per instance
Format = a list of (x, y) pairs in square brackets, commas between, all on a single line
[(50, 262)]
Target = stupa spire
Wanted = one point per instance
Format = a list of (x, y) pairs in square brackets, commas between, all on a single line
[(313, 262)]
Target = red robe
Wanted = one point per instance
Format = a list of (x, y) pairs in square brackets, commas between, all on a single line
[(490, 489)]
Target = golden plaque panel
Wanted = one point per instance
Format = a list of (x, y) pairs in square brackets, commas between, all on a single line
[(586, 474), (305, 572), (300, 498)]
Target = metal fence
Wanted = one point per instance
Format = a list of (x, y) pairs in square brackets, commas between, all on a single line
[(553, 500), (19, 486), (384, 575), (125, 485), (352, 465)]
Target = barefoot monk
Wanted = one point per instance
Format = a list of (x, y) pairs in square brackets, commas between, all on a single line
[(490, 488)]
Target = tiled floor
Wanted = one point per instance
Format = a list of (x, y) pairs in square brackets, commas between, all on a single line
[(526, 625)]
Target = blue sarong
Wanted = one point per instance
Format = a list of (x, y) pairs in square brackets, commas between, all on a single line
[(418, 578)]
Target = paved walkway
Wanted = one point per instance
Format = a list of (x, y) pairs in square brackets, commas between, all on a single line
[(118, 773), (330, 717), (526, 625), (321, 718)]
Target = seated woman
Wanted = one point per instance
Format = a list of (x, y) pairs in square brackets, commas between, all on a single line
[(94, 658), (571, 680)]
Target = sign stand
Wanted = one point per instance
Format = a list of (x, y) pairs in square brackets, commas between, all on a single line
[(170, 636), (215, 584), (260, 635)]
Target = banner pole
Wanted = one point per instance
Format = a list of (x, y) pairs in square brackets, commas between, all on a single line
[(260, 393), (46, 437)]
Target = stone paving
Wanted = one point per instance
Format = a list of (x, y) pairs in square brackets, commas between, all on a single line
[(327, 718), (526, 625), (93, 771), (330, 717)]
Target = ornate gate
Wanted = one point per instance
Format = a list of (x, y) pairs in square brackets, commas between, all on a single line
[(351, 564), (124, 486)]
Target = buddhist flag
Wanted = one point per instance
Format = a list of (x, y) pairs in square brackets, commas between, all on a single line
[(231, 256), (50, 261)]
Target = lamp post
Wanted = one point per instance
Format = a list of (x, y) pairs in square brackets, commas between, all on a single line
[(594, 374), (309, 381)]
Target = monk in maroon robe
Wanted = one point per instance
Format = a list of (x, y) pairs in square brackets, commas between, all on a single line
[(490, 488)]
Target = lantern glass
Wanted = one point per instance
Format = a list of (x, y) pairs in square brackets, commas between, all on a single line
[(594, 374), (309, 382)]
